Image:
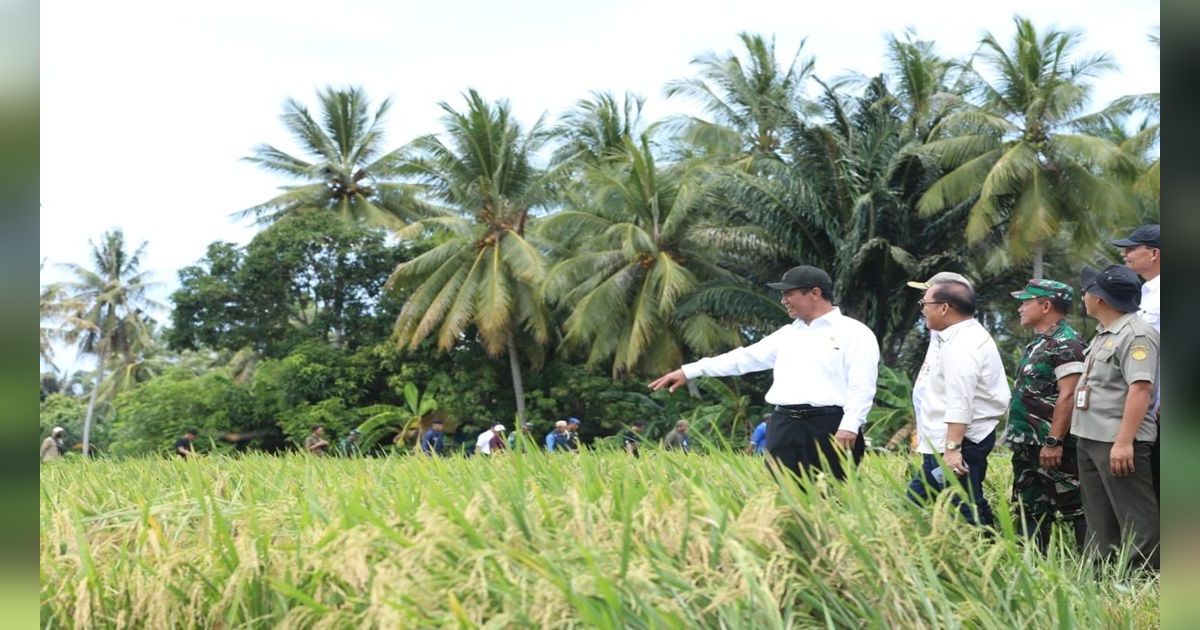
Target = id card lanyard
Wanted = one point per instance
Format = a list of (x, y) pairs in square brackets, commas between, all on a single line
[(1083, 391)]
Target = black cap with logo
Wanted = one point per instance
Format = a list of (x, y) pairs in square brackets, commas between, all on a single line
[(804, 277)]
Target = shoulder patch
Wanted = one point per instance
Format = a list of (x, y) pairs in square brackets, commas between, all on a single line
[(1139, 353)]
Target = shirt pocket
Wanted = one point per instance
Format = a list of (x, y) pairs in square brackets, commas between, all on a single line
[(1103, 367)]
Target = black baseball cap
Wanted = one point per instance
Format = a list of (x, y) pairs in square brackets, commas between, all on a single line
[(804, 277), (1116, 284), (1145, 235)]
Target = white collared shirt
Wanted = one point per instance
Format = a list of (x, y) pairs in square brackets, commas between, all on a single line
[(832, 361), (961, 381), (1150, 309)]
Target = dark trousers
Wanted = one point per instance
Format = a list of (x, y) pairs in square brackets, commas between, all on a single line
[(798, 438), (1155, 452), (977, 511), (1119, 508)]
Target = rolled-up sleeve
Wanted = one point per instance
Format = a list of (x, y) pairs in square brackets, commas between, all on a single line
[(862, 373)]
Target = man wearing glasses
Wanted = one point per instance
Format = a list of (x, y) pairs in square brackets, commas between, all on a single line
[(959, 397), (824, 370)]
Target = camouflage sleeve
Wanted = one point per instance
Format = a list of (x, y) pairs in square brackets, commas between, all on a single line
[(1139, 359), (1068, 358)]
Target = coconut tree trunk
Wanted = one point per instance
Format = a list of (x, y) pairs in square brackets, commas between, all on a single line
[(91, 409), (518, 384), (1038, 255)]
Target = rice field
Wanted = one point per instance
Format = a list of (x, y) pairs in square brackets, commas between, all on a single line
[(536, 541)]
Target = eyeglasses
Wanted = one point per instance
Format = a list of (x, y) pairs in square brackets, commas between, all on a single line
[(923, 303)]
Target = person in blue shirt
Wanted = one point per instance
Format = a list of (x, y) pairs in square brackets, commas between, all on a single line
[(758, 439), (556, 439), (433, 443)]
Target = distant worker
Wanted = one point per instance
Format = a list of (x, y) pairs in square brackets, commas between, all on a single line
[(573, 425), (184, 447), (556, 439), (677, 439), (521, 441), (758, 438), (491, 442), (433, 443), (348, 446), (54, 446), (631, 439), (315, 443)]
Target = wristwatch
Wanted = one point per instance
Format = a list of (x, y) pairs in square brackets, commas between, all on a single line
[(953, 446), (1052, 441)]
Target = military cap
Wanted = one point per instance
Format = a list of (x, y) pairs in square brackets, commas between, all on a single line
[(1045, 289)]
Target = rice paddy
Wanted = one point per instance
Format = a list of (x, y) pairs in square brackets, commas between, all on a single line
[(535, 541)]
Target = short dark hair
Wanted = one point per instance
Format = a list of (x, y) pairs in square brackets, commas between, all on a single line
[(959, 296), (1063, 307), (315, 427), (639, 423), (191, 431)]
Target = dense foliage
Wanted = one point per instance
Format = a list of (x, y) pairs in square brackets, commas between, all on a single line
[(517, 272)]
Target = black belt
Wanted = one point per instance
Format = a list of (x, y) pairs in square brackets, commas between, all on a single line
[(799, 412)]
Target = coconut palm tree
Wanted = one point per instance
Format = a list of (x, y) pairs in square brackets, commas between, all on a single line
[(347, 172), (1019, 159), (641, 282), (482, 272), (754, 101), (103, 310)]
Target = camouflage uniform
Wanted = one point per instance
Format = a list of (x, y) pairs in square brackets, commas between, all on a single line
[(1053, 354)]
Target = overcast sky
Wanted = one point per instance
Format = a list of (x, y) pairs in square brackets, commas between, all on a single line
[(147, 108)]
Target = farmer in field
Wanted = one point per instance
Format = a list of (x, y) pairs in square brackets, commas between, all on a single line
[(433, 443), (1045, 468), (677, 439), (54, 446), (556, 439), (491, 442), (520, 441), (572, 440), (348, 446), (758, 437), (825, 365), (959, 396), (1114, 419), (631, 439), (316, 443), (183, 446), (1142, 253)]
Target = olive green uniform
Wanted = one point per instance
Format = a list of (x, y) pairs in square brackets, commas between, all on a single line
[(1117, 507)]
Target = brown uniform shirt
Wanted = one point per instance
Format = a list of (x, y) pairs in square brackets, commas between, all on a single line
[(1117, 357)]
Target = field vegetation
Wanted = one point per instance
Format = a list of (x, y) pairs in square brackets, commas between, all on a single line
[(595, 540)]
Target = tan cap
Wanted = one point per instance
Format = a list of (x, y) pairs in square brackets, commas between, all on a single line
[(939, 278)]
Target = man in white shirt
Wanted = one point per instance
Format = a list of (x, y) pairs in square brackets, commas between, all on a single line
[(490, 441), (824, 370), (1142, 252), (959, 397)]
